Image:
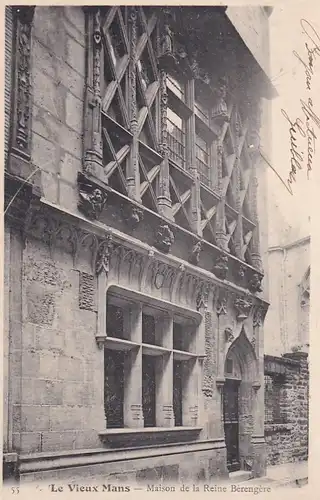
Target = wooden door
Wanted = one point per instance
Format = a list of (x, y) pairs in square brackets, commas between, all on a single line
[(231, 423)]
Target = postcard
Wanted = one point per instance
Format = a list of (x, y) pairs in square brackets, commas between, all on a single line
[(160, 171)]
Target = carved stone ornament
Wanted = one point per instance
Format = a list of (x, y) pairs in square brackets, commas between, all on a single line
[(132, 215), (254, 284), (103, 256), (21, 136), (195, 253), (202, 297), (258, 316), (167, 41), (162, 274), (220, 268), (164, 238), (92, 199), (228, 334), (243, 307), (222, 304), (241, 271), (220, 112)]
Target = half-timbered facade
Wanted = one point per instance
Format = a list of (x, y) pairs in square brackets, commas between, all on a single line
[(134, 323)]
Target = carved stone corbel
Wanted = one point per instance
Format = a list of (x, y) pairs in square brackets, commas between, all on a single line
[(241, 271), (220, 268), (243, 307), (254, 284), (92, 198), (164, 238), (195, 253), (132, 215)]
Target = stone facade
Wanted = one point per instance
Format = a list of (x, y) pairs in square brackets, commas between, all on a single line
[(99, 215)]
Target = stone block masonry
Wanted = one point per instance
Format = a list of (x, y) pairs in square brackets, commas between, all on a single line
[(58, 53)]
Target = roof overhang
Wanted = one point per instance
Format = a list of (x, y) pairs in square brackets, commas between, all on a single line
[(252, 24)]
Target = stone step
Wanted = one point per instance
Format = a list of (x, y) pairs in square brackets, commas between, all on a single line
[(239, 476)]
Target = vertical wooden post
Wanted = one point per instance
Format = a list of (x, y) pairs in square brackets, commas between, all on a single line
[(238, 234), (192, 163), (164, 198), (92, 162), (221, 217), (133, 177)]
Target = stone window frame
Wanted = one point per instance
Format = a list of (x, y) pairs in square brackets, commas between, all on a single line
[(134, 304)]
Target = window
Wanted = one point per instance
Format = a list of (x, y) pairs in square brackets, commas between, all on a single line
[(176, 137), (176, 87), (201, 112), (149, 391), (150, 362), (114, 387), (202, 157)]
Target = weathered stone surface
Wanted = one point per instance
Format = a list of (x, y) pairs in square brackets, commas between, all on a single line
[(288, 442), (87, 291), (41, 306)]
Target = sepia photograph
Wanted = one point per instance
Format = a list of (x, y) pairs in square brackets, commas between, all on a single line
[(156, 257)]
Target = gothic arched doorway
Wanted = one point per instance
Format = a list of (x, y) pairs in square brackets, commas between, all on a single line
[(240, 373)]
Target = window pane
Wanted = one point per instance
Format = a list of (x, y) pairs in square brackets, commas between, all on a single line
[(148, 329), (202, 157), (176, 137), (176, 87), (202, 112), (174, 121), (178, 337), (149, 391), (177, 392), (114, 388), (114, 321)]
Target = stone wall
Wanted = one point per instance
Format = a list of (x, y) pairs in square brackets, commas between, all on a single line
[(288, 441), (287, 322), (58, 84), (55, 360)]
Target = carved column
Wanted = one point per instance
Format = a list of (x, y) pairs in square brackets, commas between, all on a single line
[(192, 163), (164, 199), (255, 248), (133, 177), (132, 410), (254, 140), (238, 234), (221, 216), (93, 129), (19, 160)]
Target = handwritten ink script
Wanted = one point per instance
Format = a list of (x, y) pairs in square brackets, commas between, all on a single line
[(306, 126)]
